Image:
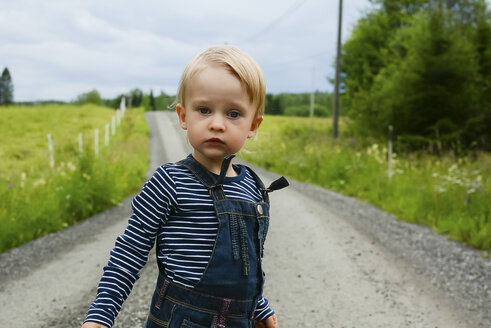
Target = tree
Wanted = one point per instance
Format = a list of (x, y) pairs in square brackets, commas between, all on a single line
[(422, 66), (429, 87), (364, 55), (135, 98), (152, 101), (91, 97), (273, 105), (6, 88), (164, 101)]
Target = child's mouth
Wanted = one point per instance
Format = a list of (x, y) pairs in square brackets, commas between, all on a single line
[(214, 142)]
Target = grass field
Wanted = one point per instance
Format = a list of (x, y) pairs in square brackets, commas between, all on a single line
[(38, 199), (453, 196)]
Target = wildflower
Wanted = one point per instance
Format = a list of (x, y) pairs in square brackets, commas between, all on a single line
[(39, 182), (453, 168), (439, 189), (435, 175), (23, 176), (478, 186), (68, 196), (11, 186), (86, 176), (71, 166)]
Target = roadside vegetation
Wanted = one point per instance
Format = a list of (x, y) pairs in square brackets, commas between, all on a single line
[(37, 199), (451, 195)]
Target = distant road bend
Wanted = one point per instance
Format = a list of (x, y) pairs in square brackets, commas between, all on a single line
[(331, 261)]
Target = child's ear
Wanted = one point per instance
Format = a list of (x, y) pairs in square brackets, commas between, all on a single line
[(181, 113), (254, 126)]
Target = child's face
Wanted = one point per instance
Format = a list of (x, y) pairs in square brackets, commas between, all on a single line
[(218, 115)]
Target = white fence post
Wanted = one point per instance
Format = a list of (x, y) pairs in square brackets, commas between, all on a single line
[(118, 116), (106, 139), (122, 106), (51, 155), (96, 142)]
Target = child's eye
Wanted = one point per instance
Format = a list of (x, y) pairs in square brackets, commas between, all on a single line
[(203, 110), (234, 114)]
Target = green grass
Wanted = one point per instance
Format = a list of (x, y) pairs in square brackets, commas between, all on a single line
[(451, 196), (38, 199)]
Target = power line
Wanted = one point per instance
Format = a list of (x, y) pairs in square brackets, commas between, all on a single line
[(290, 9)]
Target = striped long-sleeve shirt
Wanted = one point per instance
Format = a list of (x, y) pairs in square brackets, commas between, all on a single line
[(177, 210)]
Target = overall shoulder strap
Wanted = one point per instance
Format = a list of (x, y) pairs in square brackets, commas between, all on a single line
[(200, 172), (213, 183), (277, 184)]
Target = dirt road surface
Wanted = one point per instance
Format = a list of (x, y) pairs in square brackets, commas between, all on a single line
[(331, 261)]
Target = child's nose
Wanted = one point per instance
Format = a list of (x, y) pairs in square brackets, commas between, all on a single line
[(217, 123)]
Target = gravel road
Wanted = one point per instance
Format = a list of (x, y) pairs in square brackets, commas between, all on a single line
[(331, 261)]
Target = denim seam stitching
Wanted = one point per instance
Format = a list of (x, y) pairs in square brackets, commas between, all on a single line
[(158, 321), (243, 244)]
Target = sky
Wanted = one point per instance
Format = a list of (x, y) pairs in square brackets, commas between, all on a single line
[(58, 49)]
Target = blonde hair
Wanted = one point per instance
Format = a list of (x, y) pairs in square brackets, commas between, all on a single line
[(238, 63)]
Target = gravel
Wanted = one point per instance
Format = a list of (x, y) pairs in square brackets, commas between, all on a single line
[(462, 273)]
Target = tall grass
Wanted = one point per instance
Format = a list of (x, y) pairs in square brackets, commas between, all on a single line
[(453, 196), (37, 199)]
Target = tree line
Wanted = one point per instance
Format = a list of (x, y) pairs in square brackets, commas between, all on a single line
[(424, 67), (134, 98), (291, 104), (298, 104)]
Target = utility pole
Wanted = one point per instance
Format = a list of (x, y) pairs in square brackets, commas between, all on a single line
[(338, 69)]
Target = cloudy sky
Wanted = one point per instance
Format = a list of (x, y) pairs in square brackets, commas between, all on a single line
[(58, 49)]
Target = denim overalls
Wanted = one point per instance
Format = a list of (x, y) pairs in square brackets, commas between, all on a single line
[(228, 292)]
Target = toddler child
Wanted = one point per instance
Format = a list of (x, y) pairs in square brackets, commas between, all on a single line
[(207, 217)]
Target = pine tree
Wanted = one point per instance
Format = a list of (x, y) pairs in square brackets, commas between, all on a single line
[(6, 88), (152, 101)]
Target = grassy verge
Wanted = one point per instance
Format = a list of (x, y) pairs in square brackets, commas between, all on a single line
[(451, 196), (38, 199)]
